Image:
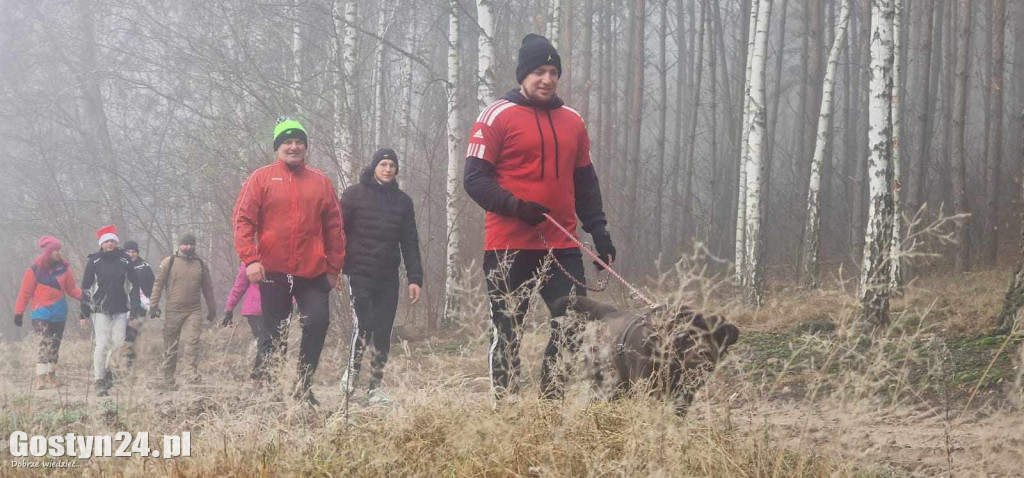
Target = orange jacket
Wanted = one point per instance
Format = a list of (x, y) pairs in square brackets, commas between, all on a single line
[(45, 292), (290, 221)]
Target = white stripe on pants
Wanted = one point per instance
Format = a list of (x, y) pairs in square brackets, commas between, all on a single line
[(109, 335)]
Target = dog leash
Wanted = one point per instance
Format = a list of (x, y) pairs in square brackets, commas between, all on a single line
[(633, 289)]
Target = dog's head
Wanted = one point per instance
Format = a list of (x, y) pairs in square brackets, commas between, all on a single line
[(698, 342)]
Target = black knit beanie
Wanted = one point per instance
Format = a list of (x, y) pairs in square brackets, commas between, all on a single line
[(187, 238), (536, 51), (381, 155), (131, 246)]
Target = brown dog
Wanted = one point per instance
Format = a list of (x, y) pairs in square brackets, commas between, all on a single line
[(672, 355)]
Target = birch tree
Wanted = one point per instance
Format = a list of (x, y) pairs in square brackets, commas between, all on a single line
[(554, 29), (455, 157), (344, 89), (297, 58), (756, 176), (878, 237), (813, 224), (380, 78), (895, 270), (485, 17), (741, 202)]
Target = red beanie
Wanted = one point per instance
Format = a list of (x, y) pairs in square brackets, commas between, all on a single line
[(106, 233)]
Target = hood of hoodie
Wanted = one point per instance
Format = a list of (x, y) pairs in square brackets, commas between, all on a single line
[(367, 178), (516, 97)]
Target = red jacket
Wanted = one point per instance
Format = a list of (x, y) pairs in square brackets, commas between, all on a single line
[(536, 154), (290, 221)]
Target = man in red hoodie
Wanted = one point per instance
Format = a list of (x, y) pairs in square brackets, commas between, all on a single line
[(529, 155), (289, 234)]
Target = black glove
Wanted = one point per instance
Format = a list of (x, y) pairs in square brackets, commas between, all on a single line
[(17, 319), (228, 315), (603, 244), (138, 312), (86, 310), (154, 312), (531, 212)]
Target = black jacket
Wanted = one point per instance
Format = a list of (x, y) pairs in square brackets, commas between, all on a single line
[(380, 230), (145, 275), (117, 287)]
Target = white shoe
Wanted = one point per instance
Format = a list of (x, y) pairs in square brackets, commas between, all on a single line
[(378, 397)]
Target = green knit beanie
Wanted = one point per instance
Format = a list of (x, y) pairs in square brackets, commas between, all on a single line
[(289, 129)]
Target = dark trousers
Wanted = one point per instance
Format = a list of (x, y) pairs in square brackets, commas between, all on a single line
[(373, 315), (312, 297), (50, 336), (511, 277)]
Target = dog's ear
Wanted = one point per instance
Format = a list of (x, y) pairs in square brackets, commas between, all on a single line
[(726, 335)]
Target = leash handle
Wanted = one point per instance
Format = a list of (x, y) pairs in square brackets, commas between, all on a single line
[(636, 292)]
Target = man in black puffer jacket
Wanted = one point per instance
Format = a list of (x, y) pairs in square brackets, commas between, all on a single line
[(380, 227)]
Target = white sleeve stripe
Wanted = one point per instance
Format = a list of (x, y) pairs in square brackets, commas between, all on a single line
[(494, 115), (488, 109)]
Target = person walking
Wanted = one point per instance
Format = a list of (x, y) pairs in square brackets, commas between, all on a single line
[(380, 227), (184, 278), (290, 236), (44, 288), (251, 309), (146, 278), (529, 155), (110, 291)]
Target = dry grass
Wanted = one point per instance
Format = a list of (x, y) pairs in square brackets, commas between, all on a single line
[(784, 403)]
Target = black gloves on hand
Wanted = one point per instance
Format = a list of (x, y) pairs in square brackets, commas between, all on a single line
[(603, 244), (531, 212), (228, 315), (17, 319), (154, 312), (138, 312)]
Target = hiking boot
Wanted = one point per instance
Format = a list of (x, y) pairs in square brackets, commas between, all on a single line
[(306, 396), (378, 397)]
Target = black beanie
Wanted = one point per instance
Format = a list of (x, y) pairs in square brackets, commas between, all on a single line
[(381, 155), (131, 246), (187, 238), (536, 51)]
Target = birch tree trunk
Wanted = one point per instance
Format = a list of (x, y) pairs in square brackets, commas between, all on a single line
[(993, 171), (878, 237), (896, 269), (344, 92), (297, 59), (959, 172), (813, 224), (741, 187), (756, 175), (554, 22), (485, 65), (455, 157), (380, 79), (405, 125)]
